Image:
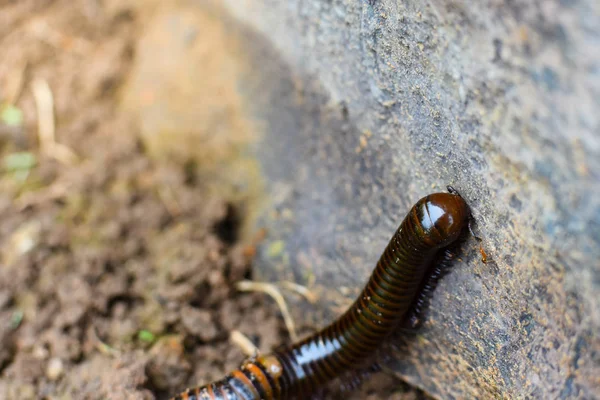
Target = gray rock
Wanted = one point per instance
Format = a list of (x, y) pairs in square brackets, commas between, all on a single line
[(372, 104)]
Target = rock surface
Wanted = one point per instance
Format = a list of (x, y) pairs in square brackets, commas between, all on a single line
[(370, 105)]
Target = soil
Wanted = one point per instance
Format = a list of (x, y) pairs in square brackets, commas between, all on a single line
[(117, 270)]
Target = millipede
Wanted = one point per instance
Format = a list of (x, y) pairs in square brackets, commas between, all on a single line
[(403, 277)]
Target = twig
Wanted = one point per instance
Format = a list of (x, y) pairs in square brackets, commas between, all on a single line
[(44, 101), (245, 344), (273, 291)]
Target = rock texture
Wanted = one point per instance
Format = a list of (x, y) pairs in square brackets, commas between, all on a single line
[(370, 105)]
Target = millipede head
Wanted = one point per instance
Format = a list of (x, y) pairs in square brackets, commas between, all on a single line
[(441, 217)]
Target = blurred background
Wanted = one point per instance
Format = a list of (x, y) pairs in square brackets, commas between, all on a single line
[(181, 178)]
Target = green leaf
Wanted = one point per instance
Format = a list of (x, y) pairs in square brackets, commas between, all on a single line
[(11, 115), (16, 319), (276, 248), (146, 336), (19, 161)]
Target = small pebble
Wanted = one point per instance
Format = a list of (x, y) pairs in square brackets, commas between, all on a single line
[(55, 369)]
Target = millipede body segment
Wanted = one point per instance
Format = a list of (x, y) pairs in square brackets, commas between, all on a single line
[(433, 223)]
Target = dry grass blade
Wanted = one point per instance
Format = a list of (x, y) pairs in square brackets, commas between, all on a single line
[(44, 101), (245, 344), (273, 291), (301, 290), (48, 193), (101, 346), (169, 200), (41, 30)]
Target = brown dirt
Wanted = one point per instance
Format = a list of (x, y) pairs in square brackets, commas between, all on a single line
[(116, 271)]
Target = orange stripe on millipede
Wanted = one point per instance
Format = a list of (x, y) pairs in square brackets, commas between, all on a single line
[(239, 375), (210, 390), (262, 379), (271, 368)]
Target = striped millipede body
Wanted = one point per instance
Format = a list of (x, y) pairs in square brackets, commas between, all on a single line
[(389, 298)]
